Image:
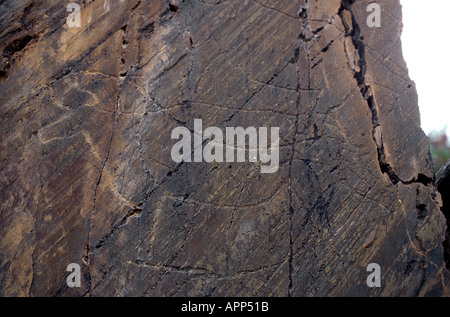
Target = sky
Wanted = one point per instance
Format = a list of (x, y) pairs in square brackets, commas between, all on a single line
[(425, 41)]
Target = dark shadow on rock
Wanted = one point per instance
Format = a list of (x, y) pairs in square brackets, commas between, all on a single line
[(442, 183)]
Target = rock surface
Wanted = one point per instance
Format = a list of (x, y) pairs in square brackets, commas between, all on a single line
[(442, 183), (86, 174)]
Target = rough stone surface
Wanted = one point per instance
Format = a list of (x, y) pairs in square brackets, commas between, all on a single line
[(442, 183), (86, 174)]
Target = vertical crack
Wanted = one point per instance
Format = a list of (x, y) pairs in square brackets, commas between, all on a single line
[(117, 112), (87, 255), (304, 39), (353, 31)]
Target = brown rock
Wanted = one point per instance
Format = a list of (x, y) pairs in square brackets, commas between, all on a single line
[(85, 152), (442, 183)]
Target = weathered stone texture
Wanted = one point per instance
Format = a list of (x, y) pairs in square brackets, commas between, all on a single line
[(86, 174)]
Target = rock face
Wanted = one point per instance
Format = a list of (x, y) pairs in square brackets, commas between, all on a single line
[(87, 177), (442, 183)]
